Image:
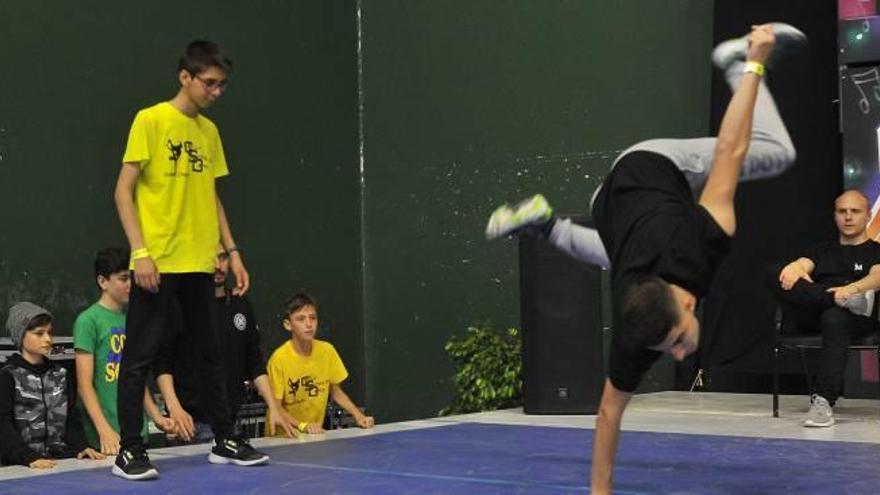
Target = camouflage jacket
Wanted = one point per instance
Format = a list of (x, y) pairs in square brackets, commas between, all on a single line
[(34, 407)]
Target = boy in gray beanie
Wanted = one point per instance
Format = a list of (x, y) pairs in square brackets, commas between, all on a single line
[(20, 315), (48, 393)]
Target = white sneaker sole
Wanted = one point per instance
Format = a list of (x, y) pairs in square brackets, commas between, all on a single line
[(812, 424), (499, 216), (870, 296), (219, 459), (150, 474)]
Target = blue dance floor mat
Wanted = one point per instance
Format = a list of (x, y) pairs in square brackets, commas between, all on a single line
[(471, 458)]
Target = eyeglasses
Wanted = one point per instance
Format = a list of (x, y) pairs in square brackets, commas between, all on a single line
[(212, 84)]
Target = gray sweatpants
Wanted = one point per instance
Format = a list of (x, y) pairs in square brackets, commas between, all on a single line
[(771, 153)]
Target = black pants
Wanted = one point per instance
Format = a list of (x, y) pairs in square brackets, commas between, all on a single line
[(148, 316), (813, 310)]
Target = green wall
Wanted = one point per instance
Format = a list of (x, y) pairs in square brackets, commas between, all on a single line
[(75, 73), (461, 105), (469, 104)]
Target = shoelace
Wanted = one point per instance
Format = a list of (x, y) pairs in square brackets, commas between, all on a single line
[(134, 454), (821, 407)]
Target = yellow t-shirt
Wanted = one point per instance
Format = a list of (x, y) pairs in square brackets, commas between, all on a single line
[(180, 157), (302, 384)]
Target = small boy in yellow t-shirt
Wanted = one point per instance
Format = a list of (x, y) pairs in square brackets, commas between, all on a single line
[(305, 372)]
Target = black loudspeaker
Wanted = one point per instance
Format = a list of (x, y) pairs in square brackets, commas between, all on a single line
[(561, 312)]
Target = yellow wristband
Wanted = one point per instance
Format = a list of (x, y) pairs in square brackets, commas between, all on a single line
[(754, 68), (302, 427), (140, 253)]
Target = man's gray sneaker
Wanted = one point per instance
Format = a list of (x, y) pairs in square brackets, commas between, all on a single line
[(788, 38), (860, 304), (506, 220), (820, 414)]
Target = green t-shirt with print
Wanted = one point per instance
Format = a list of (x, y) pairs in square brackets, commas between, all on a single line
[(101, 332)]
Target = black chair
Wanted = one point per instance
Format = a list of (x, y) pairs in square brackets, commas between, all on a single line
[(251, 416), (803, 343)]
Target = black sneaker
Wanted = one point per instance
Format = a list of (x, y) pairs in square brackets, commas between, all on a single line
[(236, 451), (134, 464)]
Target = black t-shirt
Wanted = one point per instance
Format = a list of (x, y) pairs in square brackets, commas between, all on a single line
[(837, 264), (650, 225), (241, 356)]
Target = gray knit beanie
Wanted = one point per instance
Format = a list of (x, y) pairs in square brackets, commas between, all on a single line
[(20, 315)]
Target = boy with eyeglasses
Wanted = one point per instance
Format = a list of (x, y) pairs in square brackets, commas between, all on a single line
[(174, 219)]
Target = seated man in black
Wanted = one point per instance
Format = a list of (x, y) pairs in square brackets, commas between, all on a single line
[(830, 289), (239, 339), (664, 246)]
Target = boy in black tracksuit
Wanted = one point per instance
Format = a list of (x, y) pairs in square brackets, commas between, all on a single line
[(241, 359), (38, 421)]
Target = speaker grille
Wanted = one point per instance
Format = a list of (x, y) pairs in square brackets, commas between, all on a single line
[(560, 303)]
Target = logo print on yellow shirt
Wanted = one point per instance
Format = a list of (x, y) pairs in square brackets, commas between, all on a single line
[(195, 160), (307, 382)]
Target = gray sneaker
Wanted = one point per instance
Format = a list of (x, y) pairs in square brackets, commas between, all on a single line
[(506, 220), (788, 38), (860, 304), (820, 415)]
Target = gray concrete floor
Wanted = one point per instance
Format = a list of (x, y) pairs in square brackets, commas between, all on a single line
[(745, 415), (712, 413)]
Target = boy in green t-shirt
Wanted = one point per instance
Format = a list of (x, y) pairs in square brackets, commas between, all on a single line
[(99, 337)]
